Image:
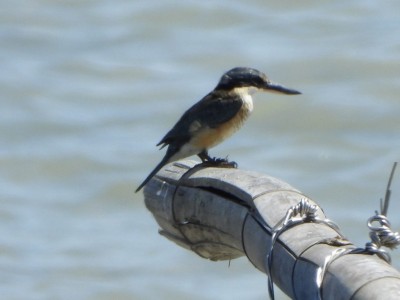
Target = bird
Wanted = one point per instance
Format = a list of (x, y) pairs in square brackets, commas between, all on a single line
[(215, 117)]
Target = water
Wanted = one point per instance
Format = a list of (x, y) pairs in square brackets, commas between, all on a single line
[(89, 87)]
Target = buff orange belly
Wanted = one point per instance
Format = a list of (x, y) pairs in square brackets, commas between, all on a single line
[(208, 137)]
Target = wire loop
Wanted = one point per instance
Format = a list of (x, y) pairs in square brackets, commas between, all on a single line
[(302, 212)]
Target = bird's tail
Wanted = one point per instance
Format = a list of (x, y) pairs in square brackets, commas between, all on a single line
[(154, 172)]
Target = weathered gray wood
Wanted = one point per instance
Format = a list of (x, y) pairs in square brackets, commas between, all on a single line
[(225, 213)]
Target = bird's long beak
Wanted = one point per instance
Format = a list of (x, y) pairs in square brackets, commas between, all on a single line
[(277, 88)]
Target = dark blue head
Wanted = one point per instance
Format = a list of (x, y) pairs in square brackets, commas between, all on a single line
[(241, 77)]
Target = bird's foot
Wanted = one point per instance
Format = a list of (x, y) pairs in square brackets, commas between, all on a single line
[(222, 162), (216, 162)]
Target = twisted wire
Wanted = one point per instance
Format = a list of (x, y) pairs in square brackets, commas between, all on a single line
[(298, 214), (381, 235)]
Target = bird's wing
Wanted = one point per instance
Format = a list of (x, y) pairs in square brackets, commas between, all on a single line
[(211, 111)]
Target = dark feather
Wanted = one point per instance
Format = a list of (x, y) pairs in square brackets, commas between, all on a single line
[(211, 111)]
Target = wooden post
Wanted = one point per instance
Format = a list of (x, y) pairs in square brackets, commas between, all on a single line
[(216, 213)]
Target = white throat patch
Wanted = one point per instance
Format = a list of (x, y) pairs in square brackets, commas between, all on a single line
[(245, 93)]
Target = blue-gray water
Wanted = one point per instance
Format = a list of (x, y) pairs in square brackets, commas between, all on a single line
[(89, 87)]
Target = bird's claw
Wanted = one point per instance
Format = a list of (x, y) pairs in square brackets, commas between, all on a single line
[(230, 164), (219, 160), (222, 162)]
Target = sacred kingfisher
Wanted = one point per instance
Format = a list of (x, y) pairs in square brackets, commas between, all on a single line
[(215, 117)]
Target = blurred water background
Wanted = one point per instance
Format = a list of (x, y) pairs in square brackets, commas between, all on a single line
[(89, 87)]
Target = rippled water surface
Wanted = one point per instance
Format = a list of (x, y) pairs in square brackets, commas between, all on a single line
[(89, 87)]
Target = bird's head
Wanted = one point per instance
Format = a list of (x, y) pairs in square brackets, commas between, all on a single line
[(251, 79)]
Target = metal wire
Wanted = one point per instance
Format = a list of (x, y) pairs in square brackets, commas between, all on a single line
[(303, 212), (381, 235)]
